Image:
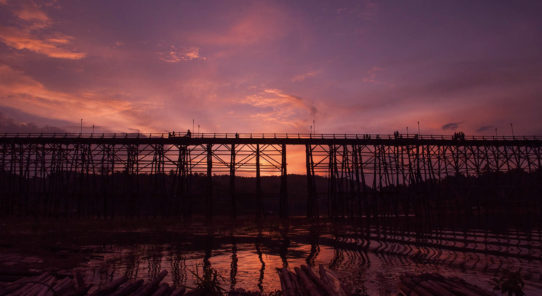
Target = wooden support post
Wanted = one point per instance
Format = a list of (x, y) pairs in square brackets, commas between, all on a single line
[(406, 201), (466, 161), (180, 176), (508, 189), (332, 182), (457, 166), (310, 180), (397, 163), (232, 182), (380, 161), (12, 185), (3, 181), (538, 156), (477, 160), (376, 165), (159, 180), (538, 152), (425, 177), (352, 196), (343, 181), (112, 183), (411, 178), (22, 187), (418, 170), (386, 165), (528, 159), (357, 167), (104, 176), (381, 195), (259, 183), (363, 182), (209, 202), (438, 180), (316, 212), (507, 158), (283, 206), (132, 180)]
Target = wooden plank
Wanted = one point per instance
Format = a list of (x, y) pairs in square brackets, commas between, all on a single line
[(111, 287), (129, 288), (153, 285), (163, 290), (330, 282), (309, 286), (178, 292)]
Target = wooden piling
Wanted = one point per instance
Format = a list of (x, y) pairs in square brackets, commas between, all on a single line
[(283, 184)]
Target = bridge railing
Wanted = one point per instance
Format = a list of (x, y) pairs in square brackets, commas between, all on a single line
[(263, 136)]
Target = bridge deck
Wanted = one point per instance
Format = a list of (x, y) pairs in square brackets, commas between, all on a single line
[(276, 138)]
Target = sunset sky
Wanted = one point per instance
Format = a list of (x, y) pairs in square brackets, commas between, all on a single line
[(362, 66)]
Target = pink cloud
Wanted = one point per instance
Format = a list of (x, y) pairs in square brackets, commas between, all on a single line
[(303, 76), (277, 110), (30, 34), (371, 75), (24, 40), (174, 55), (105, 108), (30, 12), (261, 23)]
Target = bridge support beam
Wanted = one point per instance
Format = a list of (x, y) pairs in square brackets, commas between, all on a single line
[(108, 167), (283, 206), (259, 183), (232, 182), (129, 176), (180, 185), (311, 190), (332, 182), (209, 202)]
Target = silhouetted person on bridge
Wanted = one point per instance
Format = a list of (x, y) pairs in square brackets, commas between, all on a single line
[(188, 134)]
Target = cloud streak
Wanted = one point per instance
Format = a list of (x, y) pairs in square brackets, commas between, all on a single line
[(32, 33), (451, 126), (261, 23), (302, 77), (22, 92), (11, 125), (174, 55), (277, 109)]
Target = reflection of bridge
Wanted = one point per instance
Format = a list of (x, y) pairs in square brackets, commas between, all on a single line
[(347, 246), (357, 166)]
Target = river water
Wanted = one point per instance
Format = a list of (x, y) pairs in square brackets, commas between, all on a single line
[(368, 257)]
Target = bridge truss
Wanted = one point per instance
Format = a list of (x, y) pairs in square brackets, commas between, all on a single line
[(365, 174)]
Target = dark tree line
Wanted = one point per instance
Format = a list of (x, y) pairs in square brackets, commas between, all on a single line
[(122, 194)]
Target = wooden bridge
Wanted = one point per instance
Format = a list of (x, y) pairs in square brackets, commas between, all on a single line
[(41, 170)]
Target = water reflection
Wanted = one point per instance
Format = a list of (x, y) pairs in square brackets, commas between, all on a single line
[(367, 256), (258, 246), (178, 270), (234, 260), (285, 244), (315, 245)]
